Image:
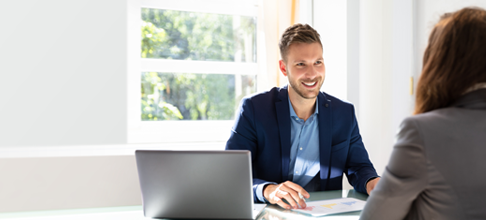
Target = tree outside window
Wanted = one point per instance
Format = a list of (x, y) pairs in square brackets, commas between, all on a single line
[(181, 35)]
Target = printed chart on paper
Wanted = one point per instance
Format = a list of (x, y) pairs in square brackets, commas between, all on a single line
[(332, 206)]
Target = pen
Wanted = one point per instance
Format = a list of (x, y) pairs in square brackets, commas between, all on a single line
[(301, 196)]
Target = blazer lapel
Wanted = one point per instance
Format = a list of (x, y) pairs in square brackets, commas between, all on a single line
[(325, 137), (283, 117)]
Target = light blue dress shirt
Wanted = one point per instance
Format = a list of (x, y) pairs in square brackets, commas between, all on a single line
[(304, 150)]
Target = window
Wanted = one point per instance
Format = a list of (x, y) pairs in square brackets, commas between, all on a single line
[(193, 94), (197, 60)]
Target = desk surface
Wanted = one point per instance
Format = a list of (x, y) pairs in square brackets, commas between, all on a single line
[(271, 212)]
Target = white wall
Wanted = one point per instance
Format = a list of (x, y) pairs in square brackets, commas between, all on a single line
[(63, 72), (352, 22), (386, 46), (53, 183), (428, 14), (63, 83), (330, 20)]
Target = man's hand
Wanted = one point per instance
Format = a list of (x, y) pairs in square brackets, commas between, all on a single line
[(288, 191), (371, 185)]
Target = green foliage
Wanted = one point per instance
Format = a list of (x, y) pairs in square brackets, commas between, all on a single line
[(187, 35), (152, 38), (196, 96), (153, 105), (169, 34)]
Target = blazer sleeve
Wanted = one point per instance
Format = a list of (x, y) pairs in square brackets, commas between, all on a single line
[(404, 179), (359, 169), (244, 137)]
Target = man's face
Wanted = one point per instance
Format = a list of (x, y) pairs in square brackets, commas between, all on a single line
[(304, 69)]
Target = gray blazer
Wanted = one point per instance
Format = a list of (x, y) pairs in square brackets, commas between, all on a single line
[(437, 169)]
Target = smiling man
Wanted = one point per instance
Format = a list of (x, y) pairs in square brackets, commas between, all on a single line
[(301, 139)]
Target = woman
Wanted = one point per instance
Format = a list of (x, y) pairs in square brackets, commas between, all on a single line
[(438, 166)]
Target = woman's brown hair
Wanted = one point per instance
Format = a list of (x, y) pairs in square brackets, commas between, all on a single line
[(454, 60)]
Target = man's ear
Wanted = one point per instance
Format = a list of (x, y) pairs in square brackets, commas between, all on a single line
[(282, 66)]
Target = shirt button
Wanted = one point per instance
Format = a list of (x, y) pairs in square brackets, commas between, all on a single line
[(296, 171), (300, 148)]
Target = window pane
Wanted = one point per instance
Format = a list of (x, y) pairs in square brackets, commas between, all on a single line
[(189, 96), (182, 35)]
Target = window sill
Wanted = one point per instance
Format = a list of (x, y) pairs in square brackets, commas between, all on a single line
[(102, 150)]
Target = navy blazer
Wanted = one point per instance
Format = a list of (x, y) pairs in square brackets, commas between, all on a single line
[(262, 126)]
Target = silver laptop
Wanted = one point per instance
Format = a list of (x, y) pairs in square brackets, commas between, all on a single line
[(196, 184)]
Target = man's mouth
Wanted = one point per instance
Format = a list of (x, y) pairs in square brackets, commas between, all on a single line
[(310, 84)]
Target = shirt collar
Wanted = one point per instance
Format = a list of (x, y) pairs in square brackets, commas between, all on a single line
[(292, 111)]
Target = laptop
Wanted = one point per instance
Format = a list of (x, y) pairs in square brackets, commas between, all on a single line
[(196, 184)]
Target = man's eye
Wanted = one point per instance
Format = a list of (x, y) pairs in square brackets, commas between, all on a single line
[(300, 64), (318, 62)]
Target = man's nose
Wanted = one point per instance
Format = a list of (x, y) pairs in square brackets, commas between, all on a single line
[(312, 72)]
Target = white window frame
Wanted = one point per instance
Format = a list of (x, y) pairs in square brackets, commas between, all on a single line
[(184, 131)]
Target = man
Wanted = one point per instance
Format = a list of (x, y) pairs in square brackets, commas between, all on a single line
[(301, 139)]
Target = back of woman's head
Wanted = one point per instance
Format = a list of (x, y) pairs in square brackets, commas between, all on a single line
[(454, 60)]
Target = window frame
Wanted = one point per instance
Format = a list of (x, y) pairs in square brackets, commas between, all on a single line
[(178, 131)]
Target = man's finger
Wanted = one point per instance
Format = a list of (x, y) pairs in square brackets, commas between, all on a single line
[(298, 199), (284, 205), (274, 199), (273, 189), (288, 197), (301, 201), (297, 188), (294, 199)]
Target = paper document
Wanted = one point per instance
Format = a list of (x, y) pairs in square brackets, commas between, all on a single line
[(332, 206)]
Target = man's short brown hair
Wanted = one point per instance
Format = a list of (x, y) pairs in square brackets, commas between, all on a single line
[(297, 33)]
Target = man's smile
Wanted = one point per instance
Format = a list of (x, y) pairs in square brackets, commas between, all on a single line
[(309, 84)]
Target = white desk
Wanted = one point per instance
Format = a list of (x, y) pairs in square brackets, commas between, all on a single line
[(271, 212), (118, 213)]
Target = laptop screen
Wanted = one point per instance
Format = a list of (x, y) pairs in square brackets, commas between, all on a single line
[(195, 184)]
